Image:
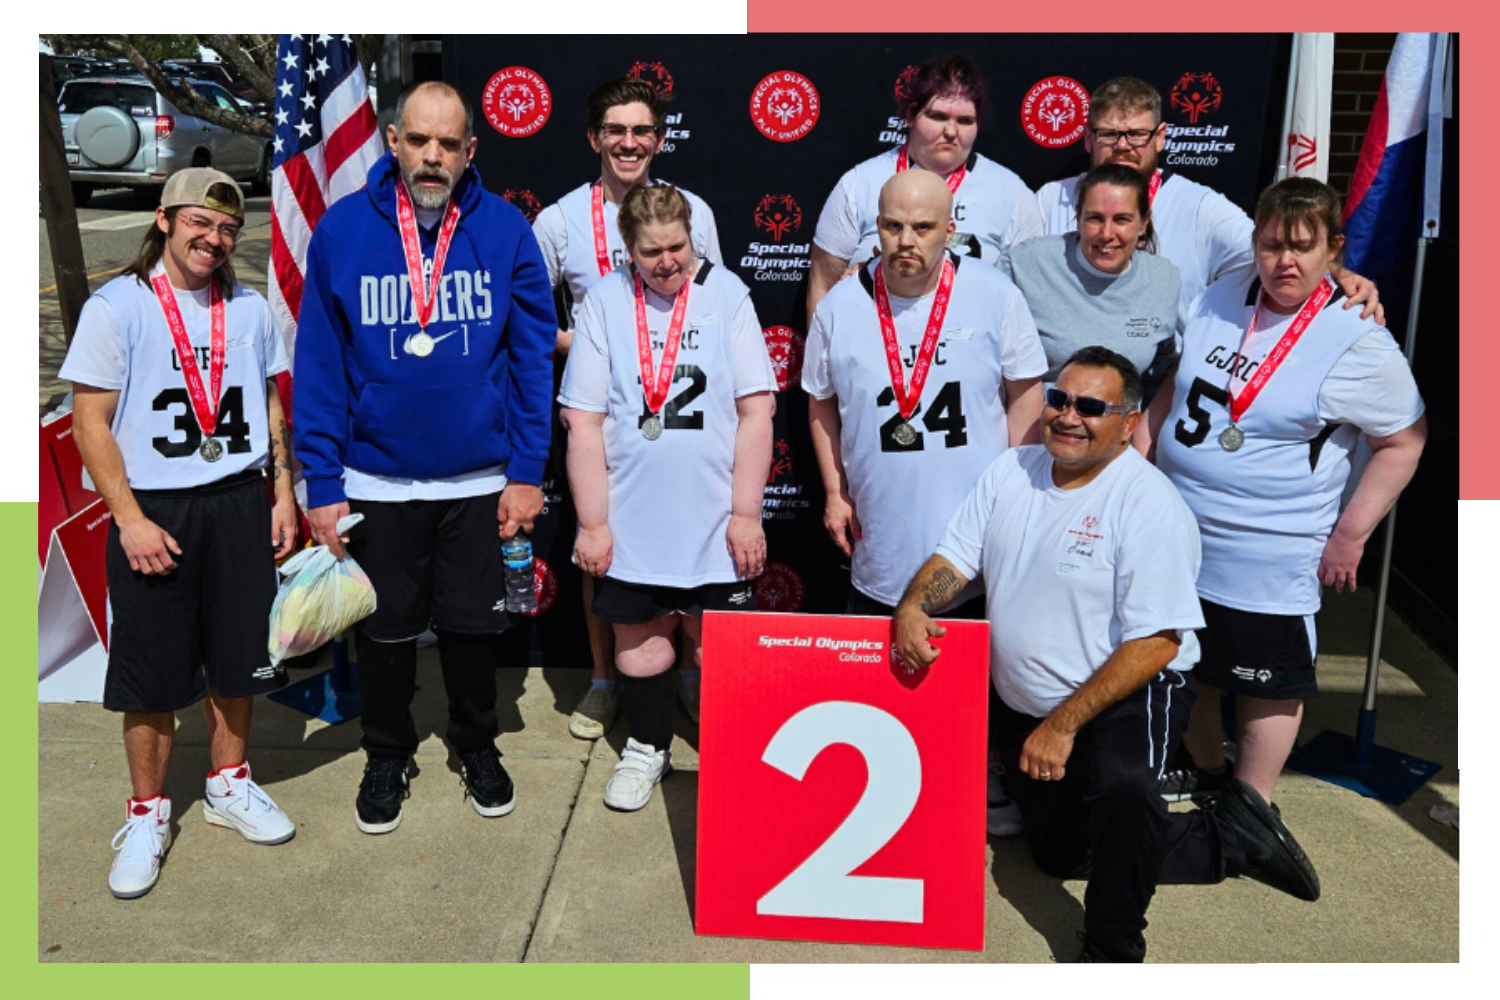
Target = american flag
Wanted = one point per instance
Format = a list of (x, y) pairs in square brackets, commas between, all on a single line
[(325, 143)]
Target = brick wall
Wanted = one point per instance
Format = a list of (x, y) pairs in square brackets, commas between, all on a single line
[(1359, 62)]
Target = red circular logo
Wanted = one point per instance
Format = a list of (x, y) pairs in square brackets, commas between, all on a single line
[(779, 588), (517, 102), (785, 347), (784, 106), (654, 73), (529, 204), (1055, 112), (544, 581)]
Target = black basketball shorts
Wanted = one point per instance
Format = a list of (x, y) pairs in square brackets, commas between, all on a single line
[(1257, 655), (622, 603)]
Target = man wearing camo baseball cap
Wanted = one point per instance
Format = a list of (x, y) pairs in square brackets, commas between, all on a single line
[(179, 428)]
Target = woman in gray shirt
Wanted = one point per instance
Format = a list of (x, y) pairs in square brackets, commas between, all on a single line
[(1090, 287)]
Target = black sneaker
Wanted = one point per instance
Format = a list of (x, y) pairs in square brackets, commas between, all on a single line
[(1189, 781), (1089, 952), (486, 785), (1271, 852), (377, 809)]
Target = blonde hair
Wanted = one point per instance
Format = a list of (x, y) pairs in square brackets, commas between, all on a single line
[(660, 203)]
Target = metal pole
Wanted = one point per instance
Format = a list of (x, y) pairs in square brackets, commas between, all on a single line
[(1286, 113), (1364, 738), (58, 210)]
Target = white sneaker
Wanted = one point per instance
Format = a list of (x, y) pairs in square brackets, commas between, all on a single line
[(232, 800), (1002, 817), (141, 844), (641, 766), (594, 715)]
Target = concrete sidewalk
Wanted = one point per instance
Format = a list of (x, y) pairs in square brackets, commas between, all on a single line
[(564, 879)]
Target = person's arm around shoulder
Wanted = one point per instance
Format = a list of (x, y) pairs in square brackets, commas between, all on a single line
[(530, 338), (148, 546)]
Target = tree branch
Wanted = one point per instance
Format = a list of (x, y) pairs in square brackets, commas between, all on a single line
[(245, 67)]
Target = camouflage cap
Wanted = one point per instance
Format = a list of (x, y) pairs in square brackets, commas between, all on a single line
[(192, 187)]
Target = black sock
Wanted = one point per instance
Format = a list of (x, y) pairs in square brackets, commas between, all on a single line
[(649, 704)]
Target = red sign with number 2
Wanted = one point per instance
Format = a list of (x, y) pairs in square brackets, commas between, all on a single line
[(840, 797)]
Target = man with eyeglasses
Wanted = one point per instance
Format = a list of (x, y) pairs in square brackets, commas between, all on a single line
[(424, 376), (1197, 228), (581, 243), (1089, 558), (178, 429)]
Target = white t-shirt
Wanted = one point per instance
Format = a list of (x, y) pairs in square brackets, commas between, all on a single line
[(123, 343), (565, 231), (670, 499), (1070, 575), (903, 496), (1197, 228), (994, 210)]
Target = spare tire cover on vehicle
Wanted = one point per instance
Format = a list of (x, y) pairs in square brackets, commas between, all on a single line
[(108, 136)]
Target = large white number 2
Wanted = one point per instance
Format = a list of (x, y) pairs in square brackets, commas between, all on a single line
[(821, 886)]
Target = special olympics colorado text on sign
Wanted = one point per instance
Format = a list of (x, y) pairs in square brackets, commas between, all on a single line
[(840, 798)]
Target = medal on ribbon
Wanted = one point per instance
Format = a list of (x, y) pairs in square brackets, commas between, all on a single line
[(424, 297), (205, 401), (655, 384), (908, 398), (1232, 438)]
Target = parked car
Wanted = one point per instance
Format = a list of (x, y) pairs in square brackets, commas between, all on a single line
[(217, 73), (118, 131)]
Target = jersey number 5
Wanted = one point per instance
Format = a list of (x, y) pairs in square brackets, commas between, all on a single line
[(946, 417), (232, 423), (1194, 436)]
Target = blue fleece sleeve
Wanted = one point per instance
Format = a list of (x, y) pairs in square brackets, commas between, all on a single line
[(531, 336), (320, 393)]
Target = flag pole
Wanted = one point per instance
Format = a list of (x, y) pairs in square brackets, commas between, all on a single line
[(1283, 167)]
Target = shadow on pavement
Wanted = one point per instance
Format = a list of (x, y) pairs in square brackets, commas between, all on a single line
[(1047, 907)]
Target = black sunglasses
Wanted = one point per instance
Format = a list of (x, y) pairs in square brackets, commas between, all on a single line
[(1087, 406)]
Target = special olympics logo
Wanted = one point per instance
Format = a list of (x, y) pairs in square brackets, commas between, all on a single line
[(784, 345), (779, 588), (517, 102), (1196, 95), (544, 582), (654, 73), (781, 461), (1055, 112), (785, 106), (903, 84), (778, 214), (529, 204)]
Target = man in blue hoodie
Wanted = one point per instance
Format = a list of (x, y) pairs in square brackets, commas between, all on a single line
[(424, 375)]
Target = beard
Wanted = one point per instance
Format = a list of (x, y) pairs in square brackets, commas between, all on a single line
[(430, 198)]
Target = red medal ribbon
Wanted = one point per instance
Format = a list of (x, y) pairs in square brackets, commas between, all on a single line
[(656, 388), (422, 297), (1155, 184), (1309, 311), (953, 180), (206, 410), (601, 245), (907, 400)]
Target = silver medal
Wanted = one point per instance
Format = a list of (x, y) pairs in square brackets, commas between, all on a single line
[(904, 434), (1232, 438), (421, 345), (211, 450), (651, 429)]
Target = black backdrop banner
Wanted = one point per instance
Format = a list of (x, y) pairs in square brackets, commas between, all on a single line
[(762, 127)]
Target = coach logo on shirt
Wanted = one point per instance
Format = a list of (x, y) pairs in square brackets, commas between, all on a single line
[(1084, 538)]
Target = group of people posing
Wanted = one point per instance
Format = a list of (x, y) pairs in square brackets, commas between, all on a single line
[(1114, 418)]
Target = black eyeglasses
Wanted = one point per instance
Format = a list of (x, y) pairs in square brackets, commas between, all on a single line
[(1087, 406), (616, 131), (1135, 138)]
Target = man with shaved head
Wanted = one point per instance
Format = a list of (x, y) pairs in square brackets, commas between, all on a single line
[(922, 370)]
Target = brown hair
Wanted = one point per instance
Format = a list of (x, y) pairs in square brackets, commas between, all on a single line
[(1300, 200), (1125, 94), (627, 90), (1119, 175), (660, 203), (154, 244), (955, 76)]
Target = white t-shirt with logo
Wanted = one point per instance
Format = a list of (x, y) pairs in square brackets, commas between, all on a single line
[(670, 499), (565, 231), (903, 495), (1070, 575), (123, 343), (994, 210)]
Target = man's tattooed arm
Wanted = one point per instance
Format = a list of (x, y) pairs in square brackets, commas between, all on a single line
[(280, 442), (935, 584)]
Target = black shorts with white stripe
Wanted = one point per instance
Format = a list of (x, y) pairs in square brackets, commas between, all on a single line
[(622, 603), (1257, 655)]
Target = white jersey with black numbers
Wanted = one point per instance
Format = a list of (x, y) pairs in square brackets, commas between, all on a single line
[(565, 231), (1198, 229), (669, 499), (1266, 510), (123, 343), (904, 494), (994, 210)]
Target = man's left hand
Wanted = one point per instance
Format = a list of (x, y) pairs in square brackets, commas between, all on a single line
[(1361, 291), (1046, 752), (520, 503), (284, 527)]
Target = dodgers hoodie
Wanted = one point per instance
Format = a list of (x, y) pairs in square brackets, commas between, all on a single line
[(481, 398)]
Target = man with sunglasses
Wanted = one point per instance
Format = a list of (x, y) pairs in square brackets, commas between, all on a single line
[(1089, 558), (1197, 228), (178, 428)]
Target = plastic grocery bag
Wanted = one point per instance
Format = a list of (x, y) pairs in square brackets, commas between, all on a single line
[(319, 598)]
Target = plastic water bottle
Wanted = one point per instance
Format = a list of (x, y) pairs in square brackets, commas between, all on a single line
[(520, 588)]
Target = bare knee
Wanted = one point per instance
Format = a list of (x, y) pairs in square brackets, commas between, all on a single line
[(644, 650)]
